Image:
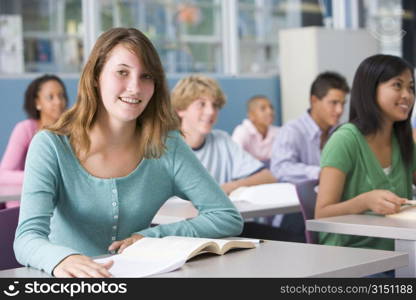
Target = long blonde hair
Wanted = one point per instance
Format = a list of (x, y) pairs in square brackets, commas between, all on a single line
[(155, 121)]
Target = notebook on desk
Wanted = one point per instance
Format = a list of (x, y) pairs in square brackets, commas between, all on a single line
[(262, 194), (407, 212), (266, 194)]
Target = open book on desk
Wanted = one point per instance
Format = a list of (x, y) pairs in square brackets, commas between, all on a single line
[(407, 212), (266, 194), (246, 199), (262, 194), (151, 256)]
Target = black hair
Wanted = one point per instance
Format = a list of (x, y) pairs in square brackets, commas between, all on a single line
[(32, 93), (365, 113), (326, 81), (254, 98)]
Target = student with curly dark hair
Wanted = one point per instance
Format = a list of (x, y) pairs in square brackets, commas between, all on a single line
[(45, 101)]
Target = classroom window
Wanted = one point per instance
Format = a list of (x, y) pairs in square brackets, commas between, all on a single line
[(190, 35), (186, 34), (50, 33), (383, 19), (259, 22)]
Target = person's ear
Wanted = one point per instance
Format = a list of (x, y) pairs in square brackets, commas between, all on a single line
[(250, 115), (38, 107), (180, 113), (314, 100)]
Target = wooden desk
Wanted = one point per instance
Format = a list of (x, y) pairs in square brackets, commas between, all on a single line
[(402, 231), (177, 210), (10, 192), (278, 259)]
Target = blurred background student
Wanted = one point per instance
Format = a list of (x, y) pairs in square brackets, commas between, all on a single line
[(257, 133), (197, 99), (45, 101), (297, 150)]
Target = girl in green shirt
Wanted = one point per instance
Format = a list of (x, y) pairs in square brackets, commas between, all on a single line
[(369, 163)]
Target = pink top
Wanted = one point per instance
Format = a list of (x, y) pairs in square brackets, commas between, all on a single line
[(13, 162), (253, 142)]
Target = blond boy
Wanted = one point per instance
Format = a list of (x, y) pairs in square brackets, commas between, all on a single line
[(197, 100)]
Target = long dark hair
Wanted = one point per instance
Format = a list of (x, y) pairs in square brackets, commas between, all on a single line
[(365, 112)]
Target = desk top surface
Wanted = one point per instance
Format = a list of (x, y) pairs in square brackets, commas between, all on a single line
[(368, 225), (177, 209), (278, 259), (10, 192), (10, 189), (173, 211)]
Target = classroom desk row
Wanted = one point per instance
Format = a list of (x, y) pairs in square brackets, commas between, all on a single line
[(402, 231), (276, 259), (10, 192), (176, 209)]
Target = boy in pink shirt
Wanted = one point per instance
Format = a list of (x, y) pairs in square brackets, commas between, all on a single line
[(257, 133)]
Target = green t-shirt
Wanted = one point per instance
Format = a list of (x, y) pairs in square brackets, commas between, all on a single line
[(348, 151)]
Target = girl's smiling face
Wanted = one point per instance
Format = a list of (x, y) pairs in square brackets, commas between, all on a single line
[(396, 97), (126, 87)]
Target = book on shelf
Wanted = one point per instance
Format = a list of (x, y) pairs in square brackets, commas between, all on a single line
[(151, 256)]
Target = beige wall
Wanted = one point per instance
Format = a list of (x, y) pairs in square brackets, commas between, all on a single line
[(306, 52)]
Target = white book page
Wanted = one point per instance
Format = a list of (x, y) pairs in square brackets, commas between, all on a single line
[(167, 247), (125, 266), (194, 242), (267, 194), (222, 242), (149, 256), (406, 213)]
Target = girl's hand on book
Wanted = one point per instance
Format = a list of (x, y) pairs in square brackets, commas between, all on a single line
[(123, 244), (384, 202), (81, 266)]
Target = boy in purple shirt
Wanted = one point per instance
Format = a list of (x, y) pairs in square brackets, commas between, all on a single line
[(296, 153)]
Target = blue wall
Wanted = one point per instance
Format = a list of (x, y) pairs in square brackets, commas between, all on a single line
[(237, 90)]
